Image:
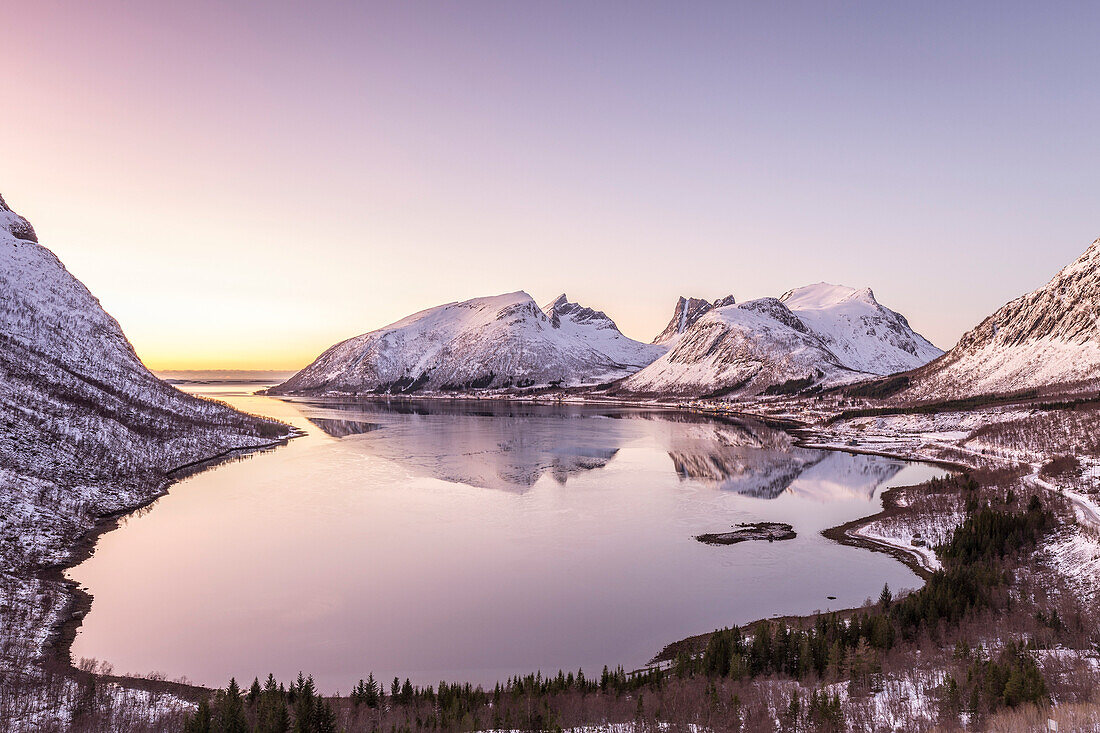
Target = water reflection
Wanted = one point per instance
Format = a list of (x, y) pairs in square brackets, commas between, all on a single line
[(344, 428), (842, 476), (347, 553), (510, 446), (745, 456), (487, 445)]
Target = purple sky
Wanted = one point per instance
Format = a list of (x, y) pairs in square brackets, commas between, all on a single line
[(243, 184)]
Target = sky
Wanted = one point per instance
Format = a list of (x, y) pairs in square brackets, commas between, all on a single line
[(243, 184)]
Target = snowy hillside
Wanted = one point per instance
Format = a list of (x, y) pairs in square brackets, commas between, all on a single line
[(817, 335), (85, 428), (858, 330), (495, 342), (1046, 339)]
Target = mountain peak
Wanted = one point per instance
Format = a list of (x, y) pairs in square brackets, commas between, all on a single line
[(817, 335), (498, 342), (556, 307), (561, 307), (687, 312), (825, 295), (19, 227), (558, 301)]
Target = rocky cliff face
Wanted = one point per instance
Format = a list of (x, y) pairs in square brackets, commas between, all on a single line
[(1048, 339), (16, 225), (686, 313)]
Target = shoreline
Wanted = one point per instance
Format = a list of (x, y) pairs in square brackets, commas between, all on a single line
[(841, 534), (57, 650), (58, 647), (847, 534)]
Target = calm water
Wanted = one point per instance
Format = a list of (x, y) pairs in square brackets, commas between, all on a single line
[(473, 541)]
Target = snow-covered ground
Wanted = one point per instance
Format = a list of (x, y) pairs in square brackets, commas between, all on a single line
[(917, 536), (1075, 555)]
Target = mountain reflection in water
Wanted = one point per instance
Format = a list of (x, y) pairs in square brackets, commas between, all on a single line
[(510, 446), (493, 446), (369, 544)]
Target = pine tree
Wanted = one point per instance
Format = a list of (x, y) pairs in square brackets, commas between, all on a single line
[(229, 714), (793, 710), (886, 597), (952, 698), (272, 715), (373, 688), (836, 660), (324, 719), (199, 721), (305, 703)]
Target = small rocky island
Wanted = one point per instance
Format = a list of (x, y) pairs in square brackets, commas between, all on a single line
[(770, 531)]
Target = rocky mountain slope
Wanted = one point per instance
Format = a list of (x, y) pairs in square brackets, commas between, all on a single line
[(85, 428), (818, 335), (1048, 339), (686, 313), (484, 343)]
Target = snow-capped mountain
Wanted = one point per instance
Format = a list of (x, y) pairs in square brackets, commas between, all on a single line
[(817, 335), (78, 410), (864, 335), (1048, 339), (687, 312), (85, 428), (495, 342), (596, 329)]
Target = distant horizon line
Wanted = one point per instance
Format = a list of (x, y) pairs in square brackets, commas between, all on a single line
[(219, 369)]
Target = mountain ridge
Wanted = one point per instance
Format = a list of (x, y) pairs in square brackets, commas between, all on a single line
[(832, 335), (1048, 338), (492, 342), (686, 313)]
